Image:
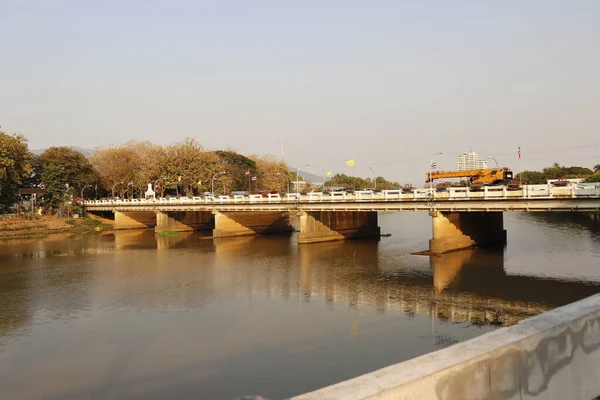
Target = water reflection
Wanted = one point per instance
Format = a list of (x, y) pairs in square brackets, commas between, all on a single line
[(189, 316)]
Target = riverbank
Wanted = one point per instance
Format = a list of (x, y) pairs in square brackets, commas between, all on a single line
[(16, 227)]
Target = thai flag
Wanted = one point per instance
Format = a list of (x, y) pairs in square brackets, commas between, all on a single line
[(253, 179), (433, 165), (247, 172), (519, 152)]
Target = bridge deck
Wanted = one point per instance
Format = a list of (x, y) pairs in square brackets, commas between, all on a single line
[(530, 198)]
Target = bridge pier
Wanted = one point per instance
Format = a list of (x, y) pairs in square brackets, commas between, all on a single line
[(462, 230), (326, 226), (241, 223), (134, 220), (183, 221)]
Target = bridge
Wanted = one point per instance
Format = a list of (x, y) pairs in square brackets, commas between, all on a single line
[(461, 218)]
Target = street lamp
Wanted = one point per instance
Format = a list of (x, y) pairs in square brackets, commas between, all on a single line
[(156, 183), (374, 177), (492, 158), (431, 180), (212, 184), (82, 189), (287, 178), (113, 189), (132, 189)]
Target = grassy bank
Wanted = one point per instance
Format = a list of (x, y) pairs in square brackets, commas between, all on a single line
[(28, 226)]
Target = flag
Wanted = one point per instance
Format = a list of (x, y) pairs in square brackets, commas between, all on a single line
[(328, 173), (179, 179), (519, 152), (350, 163), (199, 183), (433, 165), (247, 172), (253, 179)]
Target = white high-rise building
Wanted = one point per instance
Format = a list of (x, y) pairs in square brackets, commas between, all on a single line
[(468, 161)]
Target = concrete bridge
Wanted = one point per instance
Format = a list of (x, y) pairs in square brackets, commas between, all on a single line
[(460, 218)]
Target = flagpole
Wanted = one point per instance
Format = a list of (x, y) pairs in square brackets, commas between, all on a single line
[(430, 181)]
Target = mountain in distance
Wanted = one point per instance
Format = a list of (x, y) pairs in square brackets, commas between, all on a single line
[(307, 176), (86, 152)]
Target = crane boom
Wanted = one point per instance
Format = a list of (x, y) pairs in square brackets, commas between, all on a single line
[(475, 176)]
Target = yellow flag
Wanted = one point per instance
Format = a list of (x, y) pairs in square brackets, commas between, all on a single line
[(179, 179), (328, 173), (350, 163), (199, 183)]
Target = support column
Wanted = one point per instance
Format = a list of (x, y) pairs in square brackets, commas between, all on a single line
[(462, 230), (134, 220), (240, 223), (182, 221), (326, 226)]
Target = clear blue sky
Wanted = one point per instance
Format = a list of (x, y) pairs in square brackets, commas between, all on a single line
[(384, 82)]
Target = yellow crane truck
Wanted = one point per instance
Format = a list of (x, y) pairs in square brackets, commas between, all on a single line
[(476, 177)]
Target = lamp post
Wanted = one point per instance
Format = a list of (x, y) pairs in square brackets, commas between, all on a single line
[(431, 180), (374, 177), (113, 189), (156, 183), (287, 178), (212, 184), (492, 158), (82, 189)]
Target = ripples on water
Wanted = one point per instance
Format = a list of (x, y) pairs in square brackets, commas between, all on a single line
[(132, 315)]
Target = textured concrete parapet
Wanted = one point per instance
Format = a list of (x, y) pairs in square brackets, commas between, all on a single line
[(555, 355)]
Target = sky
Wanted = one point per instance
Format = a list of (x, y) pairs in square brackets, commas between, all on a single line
[(387, 83)]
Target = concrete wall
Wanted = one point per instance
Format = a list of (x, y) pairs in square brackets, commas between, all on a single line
[(239, 223), (325, 226), (182, 221), (462, 230), (555, 355), (134, 220)]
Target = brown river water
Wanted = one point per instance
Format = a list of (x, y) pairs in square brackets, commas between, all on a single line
[(130, 315)]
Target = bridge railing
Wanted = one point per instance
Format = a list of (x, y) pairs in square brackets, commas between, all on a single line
[(487, 193)]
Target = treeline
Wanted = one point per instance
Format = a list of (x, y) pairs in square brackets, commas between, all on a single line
[(361, 183), (183, 168), (557, 171)]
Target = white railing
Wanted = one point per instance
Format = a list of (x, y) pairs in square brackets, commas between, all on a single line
[(487, 193)]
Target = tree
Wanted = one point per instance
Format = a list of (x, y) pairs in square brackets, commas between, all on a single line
[(116, 167), (187, 165), (270, 173), (597, 168), (62, 166), (15, 166), (236, 165)]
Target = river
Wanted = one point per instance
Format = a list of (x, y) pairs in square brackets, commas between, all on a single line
[(136, 316)]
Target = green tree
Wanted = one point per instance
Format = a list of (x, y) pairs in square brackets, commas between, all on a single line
[(597, 168), (236, 165), (15, 166), (61, 166)]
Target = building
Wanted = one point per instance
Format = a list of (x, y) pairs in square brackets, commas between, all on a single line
[(469, 161)]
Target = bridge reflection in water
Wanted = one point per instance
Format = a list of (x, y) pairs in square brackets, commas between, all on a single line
[(465, 286)]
